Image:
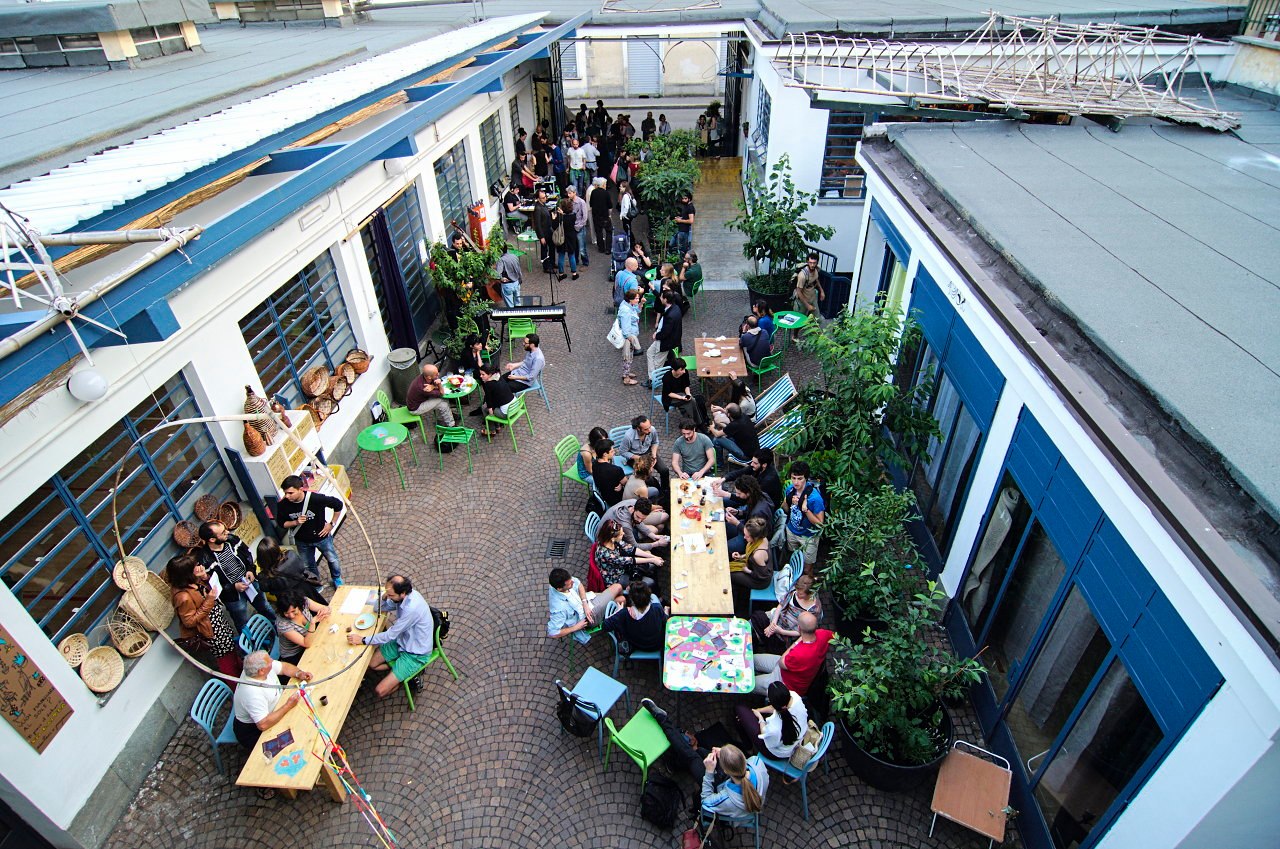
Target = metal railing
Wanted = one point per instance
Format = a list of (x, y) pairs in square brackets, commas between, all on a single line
[(1262, 19)]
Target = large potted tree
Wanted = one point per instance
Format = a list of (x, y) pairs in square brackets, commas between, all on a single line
[(887, 692), (465, 279), (668, 168), (771, 217)]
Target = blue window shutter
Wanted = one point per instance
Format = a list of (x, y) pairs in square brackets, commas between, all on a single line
[(1174, 673), (1116, 583), (1069, 512), (1032, 458), (974, 373), (891, 235), (932, 311)]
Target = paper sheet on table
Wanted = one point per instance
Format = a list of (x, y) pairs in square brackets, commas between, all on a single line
[(354, 603), (693, 543), (680, 673), (721, 338)]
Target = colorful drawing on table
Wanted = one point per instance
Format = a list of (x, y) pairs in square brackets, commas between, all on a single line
[(390, 440), (291, 763), (380, 432)]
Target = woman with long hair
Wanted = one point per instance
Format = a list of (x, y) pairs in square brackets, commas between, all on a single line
[(587, 457), (778, 726), (773, 630), (297, 622), (628, 207), (755, 505), (617, 560), (281, 572), (751, 568), (643, 483), (742, 789), (205, 623)]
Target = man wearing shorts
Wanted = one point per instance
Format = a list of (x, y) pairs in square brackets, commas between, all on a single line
[(406, 645), (805, 513), (809, 286)]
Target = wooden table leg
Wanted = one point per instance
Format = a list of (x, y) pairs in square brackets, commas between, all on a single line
[(337, 791), (288, 794)]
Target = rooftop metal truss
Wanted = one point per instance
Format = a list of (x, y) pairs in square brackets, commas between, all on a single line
[(1019, 65)]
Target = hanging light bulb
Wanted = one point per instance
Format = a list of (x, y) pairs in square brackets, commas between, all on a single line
[(88, 385)]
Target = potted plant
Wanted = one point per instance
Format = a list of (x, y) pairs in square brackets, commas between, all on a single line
[(771, 216), (462, 281), (887, 693), (668, 168)]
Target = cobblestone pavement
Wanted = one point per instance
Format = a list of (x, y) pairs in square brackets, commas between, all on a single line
[(483, 761)]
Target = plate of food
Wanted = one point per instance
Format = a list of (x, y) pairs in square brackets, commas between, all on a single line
[(364, 621), (456, 381)]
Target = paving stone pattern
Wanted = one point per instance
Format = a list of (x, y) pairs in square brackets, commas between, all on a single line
[(483, 761)]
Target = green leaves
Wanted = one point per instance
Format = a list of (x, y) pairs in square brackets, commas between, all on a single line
[(772, 218), (669, 168)]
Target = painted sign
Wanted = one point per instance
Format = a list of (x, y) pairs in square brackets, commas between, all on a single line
[(30, 703)]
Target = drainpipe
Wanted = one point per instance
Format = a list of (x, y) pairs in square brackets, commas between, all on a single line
[(67, 307)]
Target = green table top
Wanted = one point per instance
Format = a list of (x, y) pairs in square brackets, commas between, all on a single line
[(527, 236), (651, 274), (467, 386), (790, 320), (382, 436), (708, 655)]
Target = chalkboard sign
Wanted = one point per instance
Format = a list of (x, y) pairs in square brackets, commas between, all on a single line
[(30, 703)]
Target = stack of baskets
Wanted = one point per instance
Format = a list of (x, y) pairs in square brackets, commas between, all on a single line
[(326, 389)]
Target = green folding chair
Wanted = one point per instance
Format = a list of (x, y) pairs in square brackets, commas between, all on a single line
[(567, 462), (516, 410), (454, 436), (695, 288), (437, 651), (642, 738), (518, 328), (401, 416), (770, 363)]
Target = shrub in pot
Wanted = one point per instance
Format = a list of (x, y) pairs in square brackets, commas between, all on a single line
[(887, 691)]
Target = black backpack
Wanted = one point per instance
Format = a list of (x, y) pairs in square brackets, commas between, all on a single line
[(577, 716), (662, 801), (440, 618)]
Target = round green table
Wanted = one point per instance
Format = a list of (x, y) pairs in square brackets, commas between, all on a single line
[(384, 436), (651, 274), (530, 241), (790, 321), (457, 387)]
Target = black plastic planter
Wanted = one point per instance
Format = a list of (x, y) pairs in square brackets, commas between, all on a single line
[(890, 776)]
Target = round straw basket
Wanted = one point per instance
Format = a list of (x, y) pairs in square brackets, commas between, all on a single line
[(340, 387), (137, 573), (102, 669), (187, 534), (230, 514), (346, 371), (325, 406), (151, 603), (315, 381), (206, 508), (359, 360), (74, 647), (128, 635)]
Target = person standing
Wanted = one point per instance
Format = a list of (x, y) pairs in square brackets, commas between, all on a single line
[(664, 126), (805, 513), (599, 117), (600, 205), (684, 222), (577, 161), (627, 206), (205, 623), (579, 225), (629, 323), (592, 153), (226, 555), (304, 512), (507, 269), (405, 647), (542, 227), (648, 127), (809, 286), (565, 237), (667, 335)]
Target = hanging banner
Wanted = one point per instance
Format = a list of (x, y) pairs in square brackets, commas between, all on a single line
[(30, 703)]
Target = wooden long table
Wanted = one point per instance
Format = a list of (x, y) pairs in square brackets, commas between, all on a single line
[(709, 366), (327, 655), (706, 574)]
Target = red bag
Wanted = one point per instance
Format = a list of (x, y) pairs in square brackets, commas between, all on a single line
[(595, 579)]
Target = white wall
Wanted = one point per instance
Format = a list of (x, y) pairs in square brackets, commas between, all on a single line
[(689, 60), (210, 350), (1241, 722)]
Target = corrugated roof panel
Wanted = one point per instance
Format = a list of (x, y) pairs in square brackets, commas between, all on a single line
[(59, 200)]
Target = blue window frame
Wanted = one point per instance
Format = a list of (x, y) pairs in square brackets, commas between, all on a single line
[(302, 325), (842, 177), (58, 547), (760, 135), (491, 146), (514, 106), (453, 182)]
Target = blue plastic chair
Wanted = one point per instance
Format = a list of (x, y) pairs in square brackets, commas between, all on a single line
[(769, 594), (602, 691), (591, 526), (537, 386), (655, 397), (751, 821), (802, 775), (259, 634), (204, 710), (612, 608), (616, 435)]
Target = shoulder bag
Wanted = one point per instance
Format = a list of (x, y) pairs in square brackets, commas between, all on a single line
[(615, 337)]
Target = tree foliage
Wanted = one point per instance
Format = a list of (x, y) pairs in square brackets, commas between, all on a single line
[(771, 216)]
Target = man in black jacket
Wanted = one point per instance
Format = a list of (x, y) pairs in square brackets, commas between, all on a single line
[(542, 226), (226, 554), (666, 336), (761, 467), (305, 513)]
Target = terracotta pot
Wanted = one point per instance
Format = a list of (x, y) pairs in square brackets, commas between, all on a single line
[(254, 444)]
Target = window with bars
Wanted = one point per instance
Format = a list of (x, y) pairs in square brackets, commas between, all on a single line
[(303, 324), (58, 547), (491, 145), (760, 135), (514, 106), (569, 60), (841, 175), (453, 183)]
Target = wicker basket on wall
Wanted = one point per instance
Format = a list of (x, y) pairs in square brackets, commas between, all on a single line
[(254, 444), (102, 669), (187, 534), (74, 647), (137, 573), (206, 508), (151, 604), (230, 515), (128, 634), (359, 360), (339, 388), (315, 381)]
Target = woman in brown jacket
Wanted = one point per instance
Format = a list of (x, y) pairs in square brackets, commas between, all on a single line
[(204, 620)]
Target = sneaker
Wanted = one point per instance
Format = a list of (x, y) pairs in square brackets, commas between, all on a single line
[(658, 713), (337, 582), (573, 276), (415, 684)]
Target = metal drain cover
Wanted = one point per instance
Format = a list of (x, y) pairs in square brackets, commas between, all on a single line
[(557, 547)]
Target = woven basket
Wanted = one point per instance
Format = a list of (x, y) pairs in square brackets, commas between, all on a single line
[(128, 634), (359, 360), (339, 388), (102, 669), (206, 508), (187, 534), (315, 381), (74, 647), (151, 604), (346, 371), (230, 515), (325, 406), (254, 444), (137, 569), (314, 415)]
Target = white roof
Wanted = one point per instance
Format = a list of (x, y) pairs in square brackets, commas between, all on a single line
[(59, 200)]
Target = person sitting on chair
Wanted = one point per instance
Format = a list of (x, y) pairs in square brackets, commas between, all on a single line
[(641, 624), (737, 436), (799, 664), (754, 342), (297, 621), (609, 477), (527, 373), (693, 454), (734, 786), (426, 395), (773, 630), (644, 483), (497, 396), (571, 613), (641, 524), (778, 726), (281, 571), (761, 468), (256, 705), (405, 647), (619, 562), (677, 392), (750, 565)]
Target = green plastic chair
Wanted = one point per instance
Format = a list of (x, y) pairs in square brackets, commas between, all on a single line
[(437, 651), (646, 305), (642, 738), (454, 436), (518, 328), (516, 410), (567, 453), (695, 288), (770, 363), (401, 415)]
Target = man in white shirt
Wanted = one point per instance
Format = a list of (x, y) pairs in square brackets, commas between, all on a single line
[(255, 703), (593, 154), (577, 161)]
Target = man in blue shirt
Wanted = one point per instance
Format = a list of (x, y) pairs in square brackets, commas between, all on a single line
[(527, 373), (404, 647), (805, 513), (626, 280)]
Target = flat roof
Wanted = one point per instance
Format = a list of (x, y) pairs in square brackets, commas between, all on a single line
[(1158, 242)]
